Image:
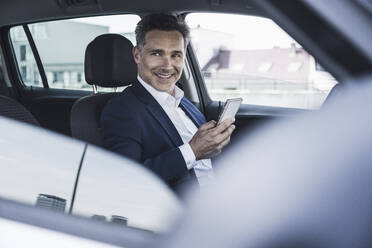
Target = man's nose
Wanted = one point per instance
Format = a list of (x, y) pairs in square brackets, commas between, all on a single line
[(167, 62)]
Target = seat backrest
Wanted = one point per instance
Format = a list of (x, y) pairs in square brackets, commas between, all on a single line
[(13, 109), (85, 117), (108, 63)]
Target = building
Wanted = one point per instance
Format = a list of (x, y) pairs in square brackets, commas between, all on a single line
[(284, 68), (202, 38), (286, 77), (51, 202), (61, 46)]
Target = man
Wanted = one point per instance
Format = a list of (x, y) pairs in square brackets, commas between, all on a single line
[(151, 121)]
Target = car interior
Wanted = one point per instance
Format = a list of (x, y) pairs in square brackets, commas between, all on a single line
[(52, 108), (39, 86), (66, 111)]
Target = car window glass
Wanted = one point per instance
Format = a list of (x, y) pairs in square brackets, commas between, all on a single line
[(61, 46), (40, 168), (28, 70), (37, 167), (116, 190), (252, 58)]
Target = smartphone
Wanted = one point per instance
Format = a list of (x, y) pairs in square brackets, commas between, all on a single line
[(230, 109)]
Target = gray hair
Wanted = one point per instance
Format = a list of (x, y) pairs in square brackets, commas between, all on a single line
[(163, 22)]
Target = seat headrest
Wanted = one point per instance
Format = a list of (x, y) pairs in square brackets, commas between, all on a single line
[(109, 61)]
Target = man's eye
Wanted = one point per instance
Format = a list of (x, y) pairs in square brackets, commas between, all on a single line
[(177, 55), (155, 54)]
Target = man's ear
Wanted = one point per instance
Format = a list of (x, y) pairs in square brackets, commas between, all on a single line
[(136, 54)]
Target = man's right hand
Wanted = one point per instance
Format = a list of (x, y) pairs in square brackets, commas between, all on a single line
[(209, 140)]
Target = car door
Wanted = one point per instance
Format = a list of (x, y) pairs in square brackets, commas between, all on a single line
[(54, 172), (37, 167), (114, 189), (43, 228), (45, 176)]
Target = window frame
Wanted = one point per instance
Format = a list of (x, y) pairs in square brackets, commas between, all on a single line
[(195, 72), (36, 55), (15, 67), (203, 90)]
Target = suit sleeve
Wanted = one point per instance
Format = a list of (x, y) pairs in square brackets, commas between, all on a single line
[(121, 133)]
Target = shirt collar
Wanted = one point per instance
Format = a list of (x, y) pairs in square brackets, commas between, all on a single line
[(163, 98)]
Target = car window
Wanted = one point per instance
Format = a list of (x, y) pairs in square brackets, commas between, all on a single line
[(41, 169), (117, 190), (61, 46), (37, 168), (252, 58)]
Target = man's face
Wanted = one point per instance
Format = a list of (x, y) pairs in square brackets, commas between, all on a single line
[(161, 59)]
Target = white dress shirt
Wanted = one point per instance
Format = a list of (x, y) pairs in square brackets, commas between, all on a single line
[(186, 129)]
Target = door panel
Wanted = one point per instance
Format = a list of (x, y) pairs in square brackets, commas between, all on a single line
[(249, 118), (51, 107)]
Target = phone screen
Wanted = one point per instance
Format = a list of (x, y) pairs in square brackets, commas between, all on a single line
[(230, 109)]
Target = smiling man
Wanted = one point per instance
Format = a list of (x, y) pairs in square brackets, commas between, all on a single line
[(160, 60), (152, 122)]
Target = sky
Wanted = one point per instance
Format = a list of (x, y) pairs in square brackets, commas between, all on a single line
[(117, 23), (248, 32)]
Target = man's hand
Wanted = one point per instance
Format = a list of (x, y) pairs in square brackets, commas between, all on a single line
[(209, 140)]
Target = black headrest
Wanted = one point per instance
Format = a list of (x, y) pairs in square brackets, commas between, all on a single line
[(109, 61)]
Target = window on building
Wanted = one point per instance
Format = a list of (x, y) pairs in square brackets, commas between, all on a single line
[(22, 51), (265, 67), (37, 78), (260, 62), (24, 72), (58, 77), (294, 66), (79, 77)]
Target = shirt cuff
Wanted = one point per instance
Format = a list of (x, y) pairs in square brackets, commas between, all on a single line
[(188, 155)]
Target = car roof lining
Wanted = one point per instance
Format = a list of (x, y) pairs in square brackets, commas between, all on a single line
[(24, 11)]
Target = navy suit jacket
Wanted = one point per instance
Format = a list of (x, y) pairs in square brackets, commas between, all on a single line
[(136, 126)]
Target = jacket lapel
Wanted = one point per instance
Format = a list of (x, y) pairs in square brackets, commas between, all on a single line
[(157, 112)]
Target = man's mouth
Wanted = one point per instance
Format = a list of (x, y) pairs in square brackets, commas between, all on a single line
[(164, 75)]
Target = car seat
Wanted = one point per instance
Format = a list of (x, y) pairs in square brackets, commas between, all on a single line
[(108, 63), (14, 110), (11, 108)]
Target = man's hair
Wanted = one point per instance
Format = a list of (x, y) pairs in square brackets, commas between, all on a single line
[(163, 22)]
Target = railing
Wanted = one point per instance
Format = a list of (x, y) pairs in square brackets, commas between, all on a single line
[(266, 91), (232, 81)]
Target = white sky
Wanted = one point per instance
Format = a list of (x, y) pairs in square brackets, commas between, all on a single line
[(248, 32), (117, 23)]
